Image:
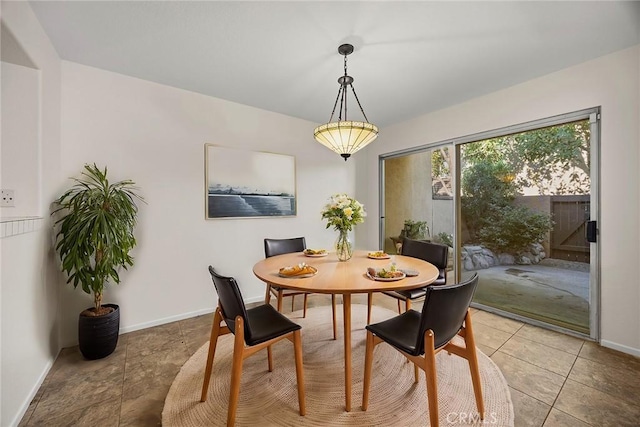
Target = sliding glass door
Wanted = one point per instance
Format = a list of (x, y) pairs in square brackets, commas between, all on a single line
[(517, 205)]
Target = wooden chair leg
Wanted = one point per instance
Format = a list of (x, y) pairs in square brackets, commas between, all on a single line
[(270, 358), (297, 347), (432, 379), (267, 296), (407, 305), (293, 300), (236, 371), (416, 374), (280, 296), (399, 308), (369, 305), (470, 344), (304, 308), (333, 310), (213, 341), (368, 362)]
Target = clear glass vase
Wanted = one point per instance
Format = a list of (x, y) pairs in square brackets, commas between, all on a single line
[(344, 249)]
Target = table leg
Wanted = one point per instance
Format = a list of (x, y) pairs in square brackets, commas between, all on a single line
[(346, 306), (333, 311)]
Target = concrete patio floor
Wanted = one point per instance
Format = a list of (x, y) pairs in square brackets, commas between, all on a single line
[(552, 292)]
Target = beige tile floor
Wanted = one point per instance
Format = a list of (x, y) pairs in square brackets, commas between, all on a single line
[(555, 380)]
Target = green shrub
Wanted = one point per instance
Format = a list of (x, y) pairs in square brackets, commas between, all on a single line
[(487, 189), (514, 229)]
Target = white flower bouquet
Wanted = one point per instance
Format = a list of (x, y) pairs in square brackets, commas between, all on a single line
[(343, 212)]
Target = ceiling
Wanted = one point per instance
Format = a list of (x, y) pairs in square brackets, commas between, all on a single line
[(410, 57)]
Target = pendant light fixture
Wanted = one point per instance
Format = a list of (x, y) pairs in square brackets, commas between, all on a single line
[(345, 137)]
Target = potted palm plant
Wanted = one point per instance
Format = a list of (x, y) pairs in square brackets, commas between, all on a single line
[(95, 220)]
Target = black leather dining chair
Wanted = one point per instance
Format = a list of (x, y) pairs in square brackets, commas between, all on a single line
[(273, 247), (435, 253), (257, 328), (420, 336)]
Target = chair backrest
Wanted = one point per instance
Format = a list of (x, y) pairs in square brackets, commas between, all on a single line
[(444, 310), (434, 253), (273, 247), (231, 301)]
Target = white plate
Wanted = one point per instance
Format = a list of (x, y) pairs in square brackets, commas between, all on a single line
[(303, 276), (386, 279), (316, 255), (387, 256)]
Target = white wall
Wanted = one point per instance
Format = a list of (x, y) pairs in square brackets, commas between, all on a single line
[(155, 135), (29, 330), (612, 82), (29, 288), (21, 139)]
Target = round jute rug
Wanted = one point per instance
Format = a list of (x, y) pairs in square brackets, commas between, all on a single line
[(271, 399)]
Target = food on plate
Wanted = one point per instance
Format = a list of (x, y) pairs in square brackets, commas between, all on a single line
[(378, 254), (314, 251), (385, 274), (298, 270), (389, 274)]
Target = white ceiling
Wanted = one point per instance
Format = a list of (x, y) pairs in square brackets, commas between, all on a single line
[(410, 57)]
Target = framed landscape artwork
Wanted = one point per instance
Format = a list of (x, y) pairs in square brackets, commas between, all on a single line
[(243, 183)]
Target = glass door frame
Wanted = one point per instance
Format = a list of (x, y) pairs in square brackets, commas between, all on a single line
[(381, 188), (593, 115)]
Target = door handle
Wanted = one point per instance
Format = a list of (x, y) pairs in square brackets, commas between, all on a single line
[(591, 231)]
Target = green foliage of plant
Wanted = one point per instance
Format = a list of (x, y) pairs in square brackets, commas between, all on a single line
[(95, 230), (487, 188), (415, 229), (539, 156), (554, 151), (440, 163), (514, 229), (491, 219), (441, 171), (445, 238)]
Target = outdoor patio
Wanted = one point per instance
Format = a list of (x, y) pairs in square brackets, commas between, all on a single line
[(554, 291)]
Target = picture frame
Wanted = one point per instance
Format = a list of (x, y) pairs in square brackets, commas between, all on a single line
[(241, 183)]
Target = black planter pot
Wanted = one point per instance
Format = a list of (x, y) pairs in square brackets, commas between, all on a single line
[(98, 336)]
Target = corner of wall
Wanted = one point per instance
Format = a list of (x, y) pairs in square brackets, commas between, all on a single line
[(27, 268)]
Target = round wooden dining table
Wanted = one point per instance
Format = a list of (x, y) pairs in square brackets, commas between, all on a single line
[(344, 278)]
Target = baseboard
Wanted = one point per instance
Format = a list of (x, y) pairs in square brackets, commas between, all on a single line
[(619, 347), (165, 320), (34, 390), (259, 298), (177, 317)]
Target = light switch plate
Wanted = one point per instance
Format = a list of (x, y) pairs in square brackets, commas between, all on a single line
[(7, 198)]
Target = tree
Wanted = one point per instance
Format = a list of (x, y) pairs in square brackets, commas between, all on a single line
[(441, 171), (553, 160)]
